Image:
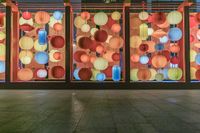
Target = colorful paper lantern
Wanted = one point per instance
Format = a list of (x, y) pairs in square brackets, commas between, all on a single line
[(42, 58), (192, 55), (174, 17), (77, 55), (94, 74), (100, 49), (197, 59), (42, 17), (108, 55), (174, 48), (85, 28), (85, 58), (144, 74), (101, 35), (58, 15), (116, 73), (41, 73), (2, 67), (100, 18), (85, 42), (143, 15), (143, 47), (25, 74), (58, 72), (193, 73), (135, 41), (144, 59), (25, 57), (39, 47), (159, 77), (144, 31), (135, 58), (116, 15), (93, 30), (27, 15), (26, 27), (85, 15), (55, 55), (100, 77), (164, 39), (57, 41), (151, 46), (159, 61), (133, 75), (115, 42), (85, 74), (175, 73), (116, 28), (116, 57), (42, 37), (153, 74), (53, 21), (100, 63), (175, 60), (79, 22), (159, 18), (164, 25), (175, 34), (75, 74), (26, 43), (159, 47), (108, 71), (24, 21), (110, 22), (159, 33), (58, 27)]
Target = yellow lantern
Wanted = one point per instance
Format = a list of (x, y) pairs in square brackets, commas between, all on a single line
[(24, 21), (133, 74), (143, 15), (174, 17), (39, 47), (144, 31), (53, 21), (116, 15), (26, 57), (175, 73), (26, 43), (94, 74), (100, 63), (79, 22), (85, 28), (153, 74), (2, 35), (192, 55), (100, 18), (135, 41), (193, 72)]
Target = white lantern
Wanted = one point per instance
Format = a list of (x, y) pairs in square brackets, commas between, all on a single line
[(174, 17), (100, 18), (85, 28), (143, 15), (24, 21), (100, 63), (79, 22)]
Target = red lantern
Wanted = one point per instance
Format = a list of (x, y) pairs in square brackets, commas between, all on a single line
[(116, 57), (174, 60), (101, 35), (26, 27), (57, 27), (58, 71), (159, 18), (26, 15), (77, 55), (166, 53), (57, 41), (85, 42), (197, 74), (57, 56), (108, 71), (85, 74), (110, 22), (144, 47)]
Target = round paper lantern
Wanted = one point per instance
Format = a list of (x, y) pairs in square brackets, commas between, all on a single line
[(75, 74), (85, 74), (159, 18), (2, 67), (174, 17), (85, 28), (144, 74), (55, 55), (92, 59), (110, 22), (25, 74), (26, 27), (100, 63), (174, 48), (135, 58), (58, 72), (153, 74), (151, 46), (197, 17), (193, 73), (175, 73), (159, 33), (41, 73), (41, 58), (25, 57), (115, 42), (85, 58), (39, 47), (135, 41), (135, 22), (116, 57), (197, 59), (27, 15), (93, 30), (197, 74), (144, 47), (84, 42), (144, 31), (144, 59), (116, 15), (26, 43), (79, 22), (100, 18), (58, 27), (100, 77), (24, 21), (116, 28), (164, 25), (85, 15), (2, 49), (100, 49), (150, 31), (159, 47), (175, 60), (108, 55), (77, 55), (164, 39), (133, 75), (101, 35), (57, 41), (175, 34), (58, 15), (53, 21), (159, 77), (143, 15), (42, 17), (198, 34), (159, 61), (192, 55)]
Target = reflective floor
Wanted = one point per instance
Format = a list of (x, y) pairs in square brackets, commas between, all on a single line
[(99, 111)]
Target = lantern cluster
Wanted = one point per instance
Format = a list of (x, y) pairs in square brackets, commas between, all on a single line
[(155, 42), (2, 46), (41, 46), (98, 46)]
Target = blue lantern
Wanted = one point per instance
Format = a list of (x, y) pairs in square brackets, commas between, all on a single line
[(175, 34), (41, 58), (42, 37), (116, 73), (144, 59), (76, 74), (2, 67), (197, 59), (163, 39), (159, 47), (58, 15), (100, 77)]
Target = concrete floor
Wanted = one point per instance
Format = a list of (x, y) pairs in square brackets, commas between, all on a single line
[(99, 111)]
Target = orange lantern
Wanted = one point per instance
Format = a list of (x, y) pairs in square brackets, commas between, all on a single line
[(57, 27), (85, 58), (174, 48), (100, 49), (115, 42), (159, 33), (116, 28), (25, 74), (159, 61), (144, 74), (85, 15), (42, 17)]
